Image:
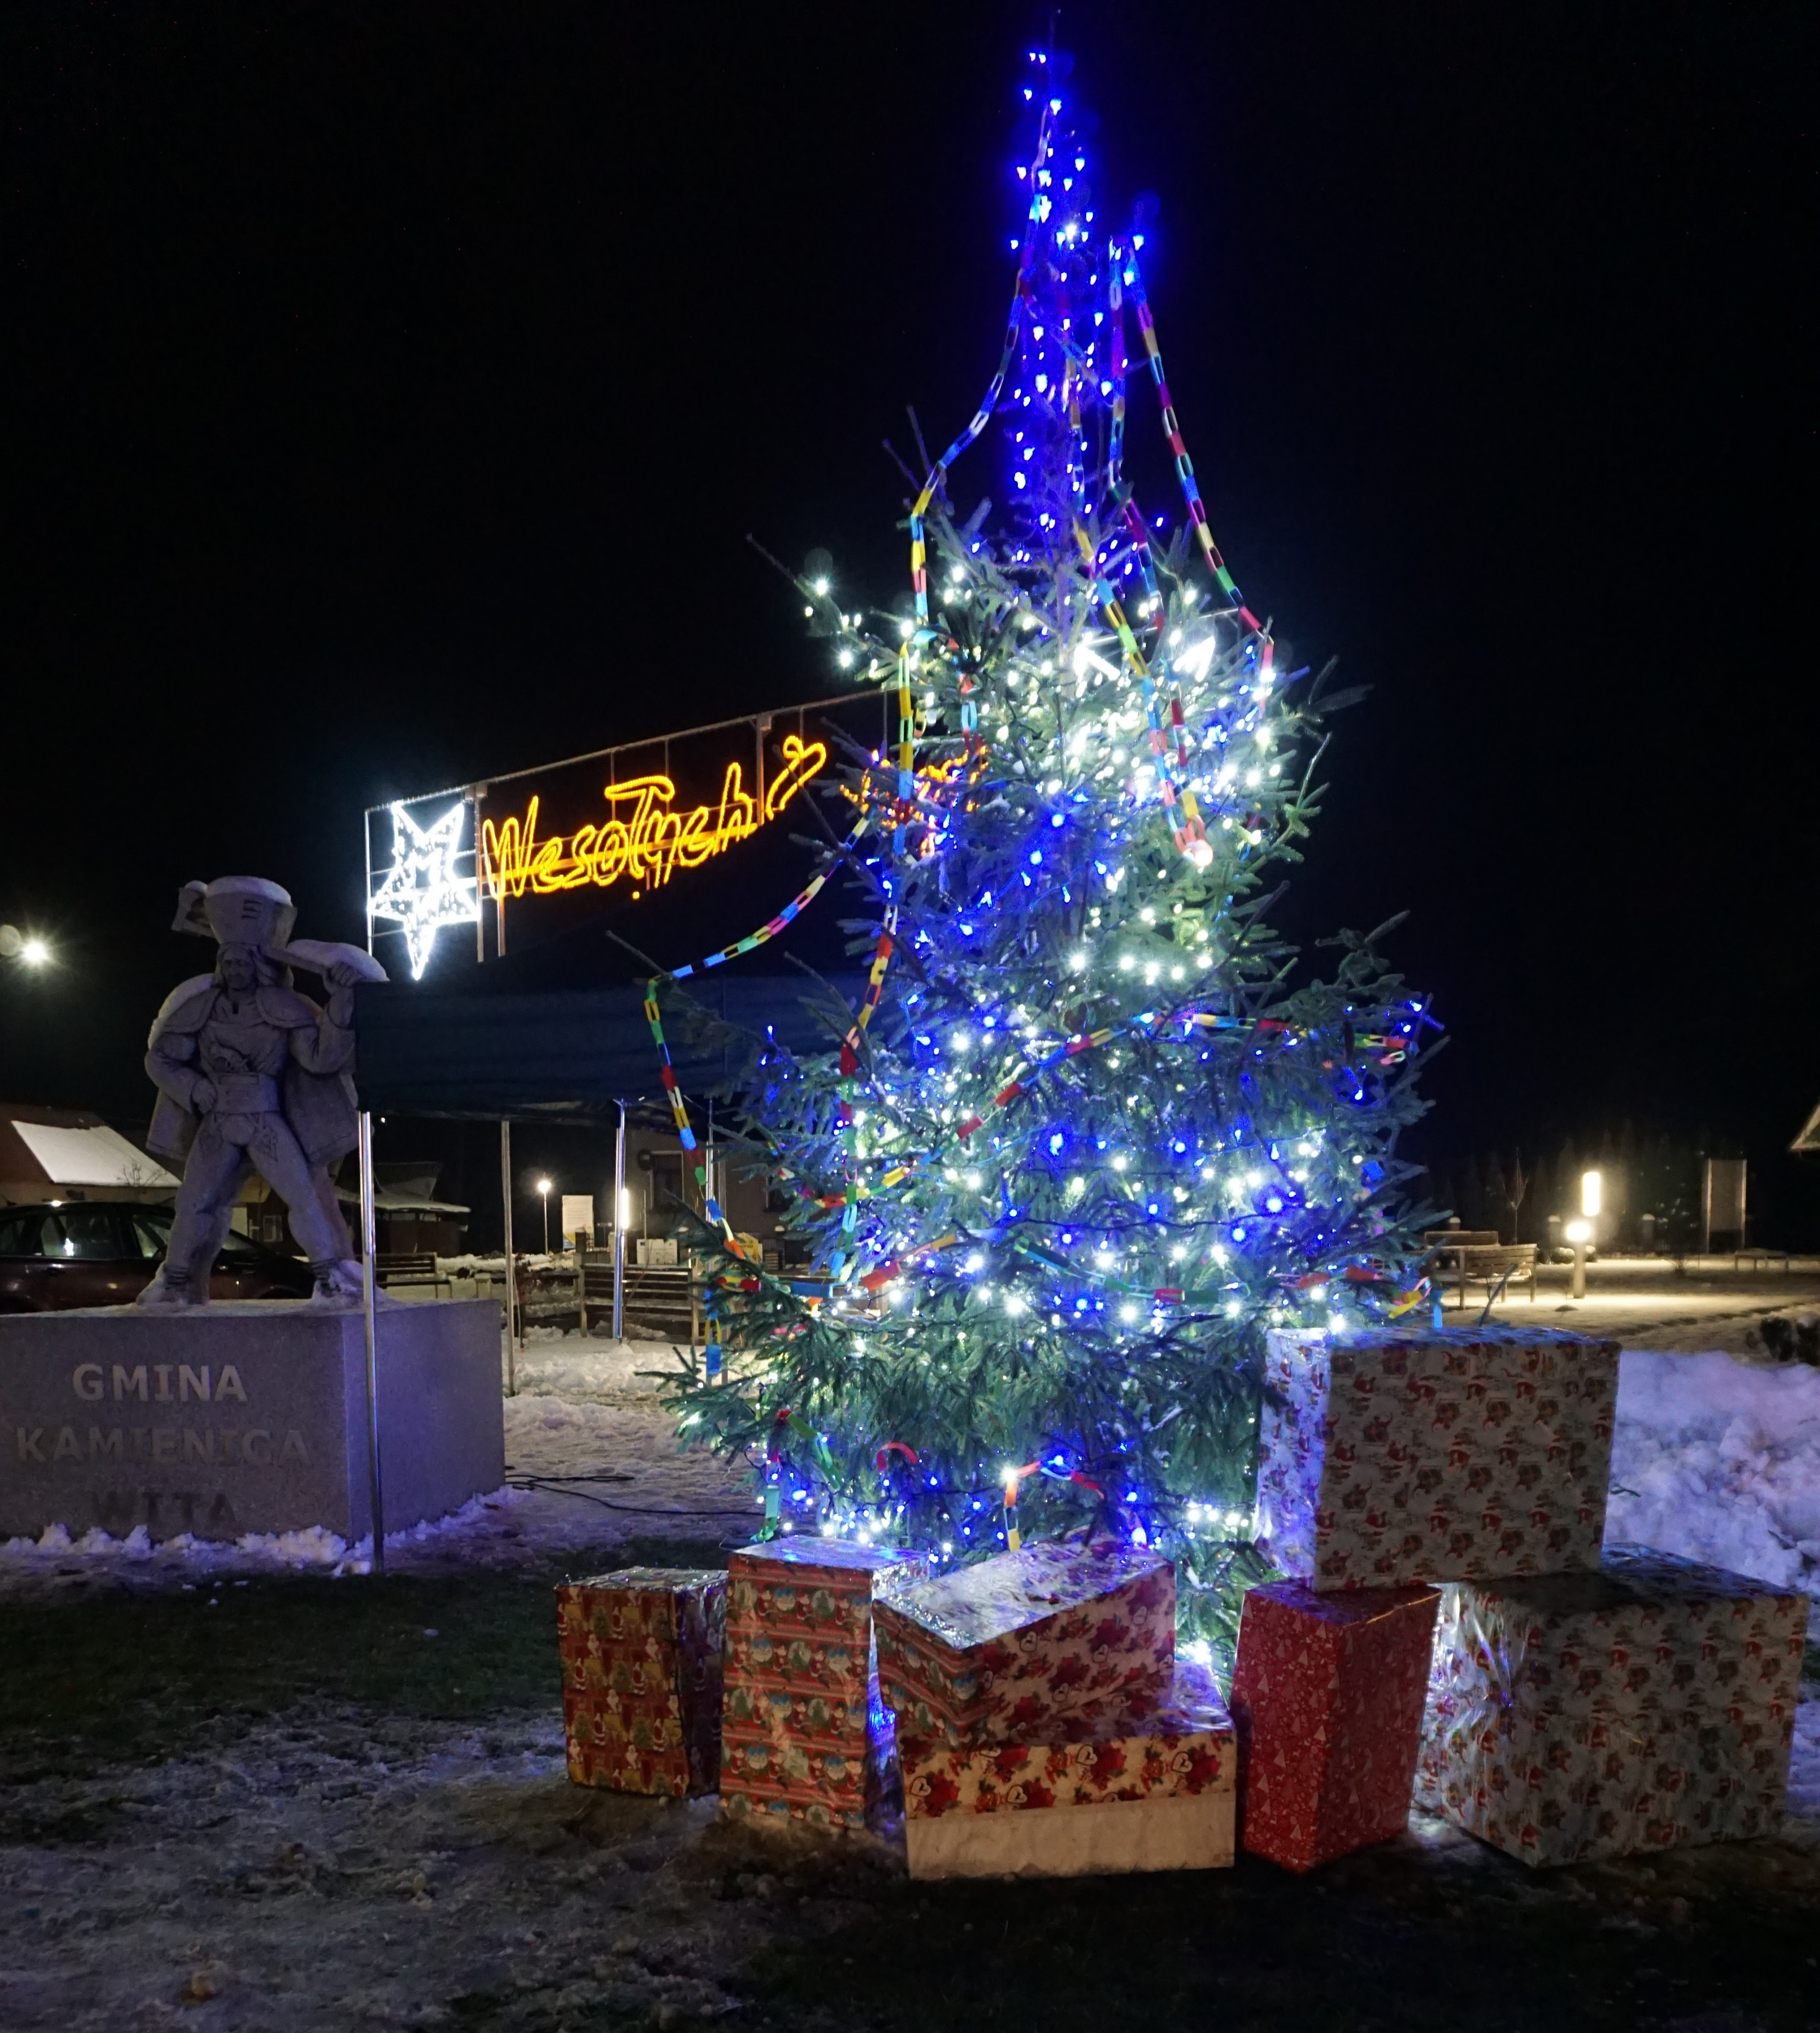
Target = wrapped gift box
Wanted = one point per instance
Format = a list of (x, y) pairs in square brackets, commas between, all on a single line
[(1387, 1456), (804, 1737), (1328, 1694), (1580, 1716), (997, 1650), (641, 1663), (1107, 1788)]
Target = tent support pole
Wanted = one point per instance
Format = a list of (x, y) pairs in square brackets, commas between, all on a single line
[(511, 1280), (620, 1229), (370, 1322)]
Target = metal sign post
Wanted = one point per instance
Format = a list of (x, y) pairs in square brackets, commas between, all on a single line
[(511, 1280), (369, 1320), (620, 1229)]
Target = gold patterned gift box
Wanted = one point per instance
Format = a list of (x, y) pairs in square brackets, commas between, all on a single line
[(996, 1650), (804, 1737), (1645, 1705), (641, 1662), (1110, 1787), (1387, 1456)]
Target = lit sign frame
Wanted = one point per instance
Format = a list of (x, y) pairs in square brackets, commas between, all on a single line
[(445, 867), (649, 844)]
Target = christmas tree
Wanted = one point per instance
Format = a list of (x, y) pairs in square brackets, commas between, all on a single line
[(1093, 1130)]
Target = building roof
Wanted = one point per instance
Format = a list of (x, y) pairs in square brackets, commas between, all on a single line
[(63, 1146)]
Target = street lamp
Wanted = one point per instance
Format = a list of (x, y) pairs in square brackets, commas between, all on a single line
[(27, 947), (1580, 1233), (543, 1195)]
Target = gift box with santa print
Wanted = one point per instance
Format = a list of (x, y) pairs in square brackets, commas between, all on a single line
[(1642, 1706), (1388, 1456), (1143, 1786), (1328, 1695), (996, 1650), (804, 1737), (640, 1651)]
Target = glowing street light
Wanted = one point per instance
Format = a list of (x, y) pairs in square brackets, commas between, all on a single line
[(27, 947), (1580, 1233), (1592, 1195), (543, 1195)]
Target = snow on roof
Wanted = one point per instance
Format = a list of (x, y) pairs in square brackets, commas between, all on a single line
[(91, 1156), (1809, 1139)]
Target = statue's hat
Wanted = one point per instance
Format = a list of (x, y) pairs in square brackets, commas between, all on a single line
[(248, 911), (238, 910)]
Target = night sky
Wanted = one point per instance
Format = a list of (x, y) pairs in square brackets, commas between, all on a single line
[(389, 393)]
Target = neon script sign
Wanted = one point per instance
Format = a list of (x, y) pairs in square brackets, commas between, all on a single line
[(646, 839)]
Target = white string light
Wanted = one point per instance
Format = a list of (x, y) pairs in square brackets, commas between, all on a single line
[(422, 892)]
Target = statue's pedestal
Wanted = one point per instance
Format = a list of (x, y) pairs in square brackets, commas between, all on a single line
[(246, 1416)]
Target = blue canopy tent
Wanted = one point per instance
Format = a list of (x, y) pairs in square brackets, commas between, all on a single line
[(573, 1055)]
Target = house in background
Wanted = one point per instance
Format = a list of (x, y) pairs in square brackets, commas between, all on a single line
[(65, 1153), (409, 1218)]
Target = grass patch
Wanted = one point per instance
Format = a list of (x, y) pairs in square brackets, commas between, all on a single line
[(128, 1677)]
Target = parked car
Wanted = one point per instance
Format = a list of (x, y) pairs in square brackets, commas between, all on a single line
[(71, 1253)]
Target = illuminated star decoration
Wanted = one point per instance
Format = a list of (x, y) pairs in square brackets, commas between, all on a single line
[(421, 891)]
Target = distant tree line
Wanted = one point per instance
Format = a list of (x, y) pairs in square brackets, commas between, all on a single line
[(1514, 1191)]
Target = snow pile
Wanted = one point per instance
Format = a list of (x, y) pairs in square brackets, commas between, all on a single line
[(315, 1546), (1719, 1461), (581, 1367)]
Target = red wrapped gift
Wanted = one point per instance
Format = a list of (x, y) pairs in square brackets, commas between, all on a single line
[(1148, 1786), (641, 1661), (804, 1735), (1328, 1695), (997, 1650)]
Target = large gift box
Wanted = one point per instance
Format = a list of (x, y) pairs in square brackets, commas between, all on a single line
[(803, 1735), (1579, 1716), (1388, 1456), (1148, 1787), (1328, 1694), (641, 1662), (995, 1650)]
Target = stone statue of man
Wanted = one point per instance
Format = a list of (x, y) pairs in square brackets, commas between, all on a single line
[(254, 1077)]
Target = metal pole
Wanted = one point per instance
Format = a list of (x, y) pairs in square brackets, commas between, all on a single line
[(366, 828), (511, 1282), (369, 1320), (474, 799), (620, 1229)]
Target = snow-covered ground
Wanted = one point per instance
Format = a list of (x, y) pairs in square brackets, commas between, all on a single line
[(1720, 1461), (1716, 1459)]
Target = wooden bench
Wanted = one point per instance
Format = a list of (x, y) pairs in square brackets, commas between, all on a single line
[(1492, 1265), (405, 1267), (550, 1295), (662, 1297)]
